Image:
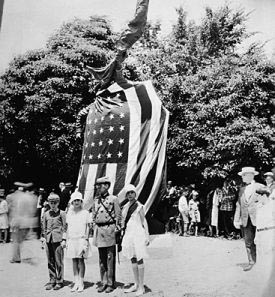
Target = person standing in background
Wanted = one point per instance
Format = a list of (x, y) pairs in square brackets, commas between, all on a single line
[(22, 208), (183, 209), (245, 213), (4, 222)]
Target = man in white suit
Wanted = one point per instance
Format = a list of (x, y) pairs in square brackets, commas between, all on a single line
[(246, 207)]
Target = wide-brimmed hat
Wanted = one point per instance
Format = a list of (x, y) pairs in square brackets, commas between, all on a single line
[(23, 185), (76, 196), (53, 197), (103, 180), (248, 170), (269, 174), (129, 188)]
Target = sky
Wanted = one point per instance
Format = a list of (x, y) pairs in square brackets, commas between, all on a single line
[(27, 24)]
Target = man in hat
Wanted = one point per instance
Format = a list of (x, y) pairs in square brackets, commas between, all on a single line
[(106, 217), (22, 210), (65, 195), (269, 180), (245, 213), (53, 227)]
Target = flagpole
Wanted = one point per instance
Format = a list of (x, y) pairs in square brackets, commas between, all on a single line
[(1, 12)]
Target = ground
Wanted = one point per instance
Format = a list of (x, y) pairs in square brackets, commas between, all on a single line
[(177, 267)]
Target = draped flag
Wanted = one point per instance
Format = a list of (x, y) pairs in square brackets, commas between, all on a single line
[(125, 139)]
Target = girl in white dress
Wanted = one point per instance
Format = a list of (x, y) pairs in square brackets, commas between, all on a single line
[(135, 238), (77, 220)]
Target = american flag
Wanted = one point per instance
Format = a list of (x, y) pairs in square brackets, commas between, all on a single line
[(125, 139)]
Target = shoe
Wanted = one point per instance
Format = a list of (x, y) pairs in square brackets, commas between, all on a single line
[(109, 290), (80, 288), (140, 291), (57, 287), (74, 288), (102, 289), (248, 267), (15, 261), (49, 286), (131, 289)]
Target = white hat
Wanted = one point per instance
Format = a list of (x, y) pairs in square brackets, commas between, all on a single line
[(248, 170), (269, 174), (129, 188), (76, 196)]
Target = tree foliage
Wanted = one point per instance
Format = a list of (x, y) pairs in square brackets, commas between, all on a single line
[(41, 93), (220, 100)]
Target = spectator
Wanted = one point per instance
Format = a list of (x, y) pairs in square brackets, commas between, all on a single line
[(269, 180), (22, 208), (184, 213), (228, 198), (4, 224), (212, 206), (64, 194), (194, 212), (245, 214)]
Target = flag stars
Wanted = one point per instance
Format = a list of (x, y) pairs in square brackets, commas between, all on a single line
[(119, 154), (110, 141), (100, 143), (92, 144), (121, 140), (122, 115), (102, 119), (90, 157), (111, 128), (94, 132), (111, 116), (95, 121), (89, 122), (99, 156), (121, 128), (109, 155), (101, 130), (86, 145)]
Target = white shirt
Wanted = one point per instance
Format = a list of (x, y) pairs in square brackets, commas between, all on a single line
[(183, 206)]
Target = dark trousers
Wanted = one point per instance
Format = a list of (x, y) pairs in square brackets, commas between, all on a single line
[(55, 255), (107, 265), (249, 235), (226, 221)]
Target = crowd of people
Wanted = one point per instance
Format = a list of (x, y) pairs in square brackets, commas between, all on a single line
[(190, 212), (64, 226)]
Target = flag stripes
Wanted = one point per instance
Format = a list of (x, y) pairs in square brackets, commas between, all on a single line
[(125, 139)]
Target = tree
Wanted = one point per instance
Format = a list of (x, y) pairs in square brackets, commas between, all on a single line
[(41, 93), (220, 100)]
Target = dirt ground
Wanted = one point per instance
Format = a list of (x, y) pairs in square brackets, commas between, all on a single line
[(177, 267)]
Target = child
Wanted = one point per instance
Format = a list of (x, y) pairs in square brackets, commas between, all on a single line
[(194, 212), (4, 225), (78, 220), (135, 239), (53, 227)]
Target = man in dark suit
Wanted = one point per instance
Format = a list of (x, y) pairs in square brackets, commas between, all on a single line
[(65, 195), (246, 207)]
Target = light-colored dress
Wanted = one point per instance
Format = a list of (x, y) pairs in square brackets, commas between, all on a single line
[(134, 239), (4, 222), (194, 212), (77, 224)]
